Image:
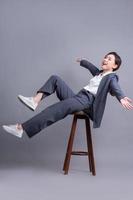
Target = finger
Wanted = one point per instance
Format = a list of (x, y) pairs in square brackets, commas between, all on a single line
[(128, 99), (129, 106), (124, 105), (128, 103)]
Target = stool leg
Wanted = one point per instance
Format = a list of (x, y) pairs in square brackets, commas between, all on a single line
[(69, 147), (90, 147)]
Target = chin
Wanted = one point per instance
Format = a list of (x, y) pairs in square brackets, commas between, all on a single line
[(103, 67)]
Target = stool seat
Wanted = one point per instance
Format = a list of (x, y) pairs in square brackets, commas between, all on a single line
[(89, 152), (80, 113)]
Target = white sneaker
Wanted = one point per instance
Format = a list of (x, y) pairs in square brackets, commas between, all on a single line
[(13, 129), (28, 101)]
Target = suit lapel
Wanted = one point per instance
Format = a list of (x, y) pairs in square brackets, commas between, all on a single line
[(103, 82)]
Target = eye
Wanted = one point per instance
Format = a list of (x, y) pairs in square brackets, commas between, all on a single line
[(109, 58)]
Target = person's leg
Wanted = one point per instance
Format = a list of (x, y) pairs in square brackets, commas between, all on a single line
[(54, 84), (45, 118), (52, 114), (38, 97), (58, 111)]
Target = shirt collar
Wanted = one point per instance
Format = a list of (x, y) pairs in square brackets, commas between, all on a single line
[(106, 73)]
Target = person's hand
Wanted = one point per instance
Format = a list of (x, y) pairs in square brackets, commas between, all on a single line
[(78, 60), (127, 103)]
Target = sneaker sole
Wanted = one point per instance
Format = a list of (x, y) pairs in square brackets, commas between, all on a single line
[(26, 104), (8, 130)]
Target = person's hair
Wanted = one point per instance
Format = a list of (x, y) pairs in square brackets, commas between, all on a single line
[(118, 60)]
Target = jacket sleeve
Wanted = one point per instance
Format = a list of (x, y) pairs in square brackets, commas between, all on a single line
[(92, 68), (115, 89)]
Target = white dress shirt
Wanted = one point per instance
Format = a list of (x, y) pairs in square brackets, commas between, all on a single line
[(94, 83)]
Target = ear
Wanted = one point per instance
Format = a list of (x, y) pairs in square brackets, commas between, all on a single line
[(115, 66)]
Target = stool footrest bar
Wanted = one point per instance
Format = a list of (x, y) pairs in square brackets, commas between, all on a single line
[(80, 153)]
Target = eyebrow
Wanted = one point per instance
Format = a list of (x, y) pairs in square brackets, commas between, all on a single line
[(107, 56)]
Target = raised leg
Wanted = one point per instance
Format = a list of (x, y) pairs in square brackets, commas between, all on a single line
[(56, 84)]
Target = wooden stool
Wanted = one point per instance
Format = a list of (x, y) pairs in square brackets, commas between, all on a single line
[(89, 152)]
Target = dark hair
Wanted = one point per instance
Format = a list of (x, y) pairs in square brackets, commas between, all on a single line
[(118, 60)]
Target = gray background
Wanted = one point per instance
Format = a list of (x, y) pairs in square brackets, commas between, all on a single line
[(39, 38)]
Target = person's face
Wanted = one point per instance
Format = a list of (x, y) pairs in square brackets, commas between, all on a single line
[(108, 63)]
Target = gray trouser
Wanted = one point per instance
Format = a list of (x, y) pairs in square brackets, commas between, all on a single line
[(68, 104)]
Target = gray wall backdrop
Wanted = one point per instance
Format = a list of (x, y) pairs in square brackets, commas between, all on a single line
[(39, 38)]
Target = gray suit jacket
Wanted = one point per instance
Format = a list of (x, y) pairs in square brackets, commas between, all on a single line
[(109, 83)]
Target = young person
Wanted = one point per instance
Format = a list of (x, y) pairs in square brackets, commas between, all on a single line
[(91, 99)]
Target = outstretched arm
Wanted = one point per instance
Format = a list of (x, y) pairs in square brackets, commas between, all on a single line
[(92, 68), (115, 89)]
